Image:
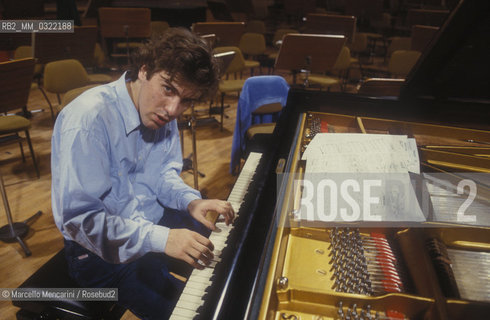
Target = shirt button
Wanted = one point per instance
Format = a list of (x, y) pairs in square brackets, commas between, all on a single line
[(120, 174), (139, 158)]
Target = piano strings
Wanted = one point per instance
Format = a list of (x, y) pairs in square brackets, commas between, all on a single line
[(462, 274)]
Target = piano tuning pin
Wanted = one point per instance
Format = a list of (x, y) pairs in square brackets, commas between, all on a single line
[(368, 312), (283, 282), (288, 316), (321, 271), (319, 251)]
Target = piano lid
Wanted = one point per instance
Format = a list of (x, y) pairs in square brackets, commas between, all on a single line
[(456, 64)]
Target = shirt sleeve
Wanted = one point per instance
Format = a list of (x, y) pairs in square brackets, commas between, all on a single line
[(81, 181), (173, 192)]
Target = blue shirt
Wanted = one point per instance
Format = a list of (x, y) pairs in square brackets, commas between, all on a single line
[(111, 176)]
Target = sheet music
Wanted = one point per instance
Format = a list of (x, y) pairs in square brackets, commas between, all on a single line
[(364, 167), (352, 152)]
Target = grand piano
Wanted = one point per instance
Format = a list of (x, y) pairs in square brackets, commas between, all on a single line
[(414, 271)]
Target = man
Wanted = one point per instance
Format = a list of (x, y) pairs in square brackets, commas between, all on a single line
[(116, 161)]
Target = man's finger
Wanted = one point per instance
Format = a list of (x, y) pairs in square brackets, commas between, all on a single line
[(193, 262), (204, 251), (204, 241)]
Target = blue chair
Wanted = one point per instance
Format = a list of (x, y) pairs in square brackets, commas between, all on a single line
[(261, 100)]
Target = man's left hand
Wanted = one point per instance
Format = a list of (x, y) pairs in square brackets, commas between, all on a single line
[(198, 209)]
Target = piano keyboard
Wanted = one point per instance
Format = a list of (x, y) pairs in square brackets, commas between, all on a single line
[(192, 296)]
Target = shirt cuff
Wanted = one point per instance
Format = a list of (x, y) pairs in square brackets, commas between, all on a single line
[(187, 198), (158, 238)]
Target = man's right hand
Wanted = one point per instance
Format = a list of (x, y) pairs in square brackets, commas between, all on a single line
[(189, 246)]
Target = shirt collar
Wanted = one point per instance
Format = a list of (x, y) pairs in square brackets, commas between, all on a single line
[(131, 117)]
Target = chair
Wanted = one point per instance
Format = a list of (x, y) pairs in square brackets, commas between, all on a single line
[(158, 28), (252, 46), (398, 43), (23, 52), (422, 36), (63, 75), (401, 62), (360, 47), (255, 26), (426, 17), (69, 96), (230, 85), (260, 102), (54, 274), (219, 10), (124, 28), (341, 66), (15, 85)]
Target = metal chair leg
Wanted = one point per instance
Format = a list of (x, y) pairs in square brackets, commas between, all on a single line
[(194, 150), (28, 138), (222, 110), (49, 102), (22, 151), (14, 231)]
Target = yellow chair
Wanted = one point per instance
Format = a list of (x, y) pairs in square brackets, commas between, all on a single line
[(255, 26), (358, 48), (237, 65), (26, 52), (69, 96), (398, 43), (341, 68), (252, 46), (402, 61), (15, 85), (158, 28), (64, 75)]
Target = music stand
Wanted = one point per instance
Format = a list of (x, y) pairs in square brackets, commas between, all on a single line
[(79, 45), (127, 24), (224, 60), (14, 231), (219, 10), (308, 53), (331, 24), (227, 33)]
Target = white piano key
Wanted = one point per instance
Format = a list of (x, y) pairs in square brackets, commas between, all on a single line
[(179, 317), (193, 299), (184, 304), (200, 280), (183, 313), (201, 274), (197, 285), (192, 291)]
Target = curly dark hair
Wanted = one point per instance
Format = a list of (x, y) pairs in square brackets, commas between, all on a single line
[(184, 56)]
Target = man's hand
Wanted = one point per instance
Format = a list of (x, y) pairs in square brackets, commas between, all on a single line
[(198, 209), (190, 247)]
